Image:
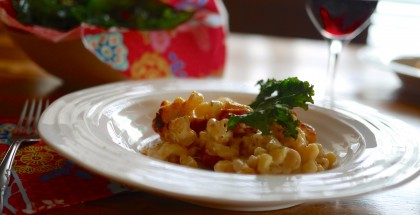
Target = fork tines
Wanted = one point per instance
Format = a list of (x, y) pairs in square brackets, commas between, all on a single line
[(30, 115)]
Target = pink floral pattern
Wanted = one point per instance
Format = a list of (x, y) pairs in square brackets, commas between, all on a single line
[(160, 40)]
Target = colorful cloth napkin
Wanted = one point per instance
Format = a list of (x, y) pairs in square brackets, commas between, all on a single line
[(42, 179), (193, 49)]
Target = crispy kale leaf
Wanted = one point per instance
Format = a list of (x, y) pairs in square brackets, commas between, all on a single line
[(274, 104)]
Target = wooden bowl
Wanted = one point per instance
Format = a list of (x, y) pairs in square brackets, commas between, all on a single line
[(67, 60)]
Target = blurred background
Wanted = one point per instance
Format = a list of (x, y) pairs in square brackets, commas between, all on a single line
[(395, 29), (286, 18)]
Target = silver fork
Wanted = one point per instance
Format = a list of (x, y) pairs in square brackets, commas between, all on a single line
[(25, 132)]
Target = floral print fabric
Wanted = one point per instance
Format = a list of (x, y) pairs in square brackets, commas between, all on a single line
[(42, 179), (194, 49)]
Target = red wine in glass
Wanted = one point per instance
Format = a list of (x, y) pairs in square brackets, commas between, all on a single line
[(339, 21)]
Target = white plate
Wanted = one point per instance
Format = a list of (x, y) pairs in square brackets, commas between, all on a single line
[(405, 66), (103, 128), (408, 70)]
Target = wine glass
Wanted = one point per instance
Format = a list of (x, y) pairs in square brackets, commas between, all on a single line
[(339, 21)]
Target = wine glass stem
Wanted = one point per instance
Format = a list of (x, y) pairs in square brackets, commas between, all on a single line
[(335, 49)]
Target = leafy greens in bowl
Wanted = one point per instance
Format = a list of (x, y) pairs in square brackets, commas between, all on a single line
[(133, 14)]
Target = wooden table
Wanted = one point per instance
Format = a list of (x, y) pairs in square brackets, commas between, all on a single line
[(251, 57)]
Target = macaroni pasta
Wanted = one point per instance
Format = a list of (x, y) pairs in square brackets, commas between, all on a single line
[(194, 133)]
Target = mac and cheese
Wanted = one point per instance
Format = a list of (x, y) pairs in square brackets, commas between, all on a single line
[(194, 133)]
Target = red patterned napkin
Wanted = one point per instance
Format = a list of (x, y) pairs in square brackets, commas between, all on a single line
[(42, 179), (193, 49)]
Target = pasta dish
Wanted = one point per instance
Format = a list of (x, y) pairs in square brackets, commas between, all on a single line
[(200, 134)]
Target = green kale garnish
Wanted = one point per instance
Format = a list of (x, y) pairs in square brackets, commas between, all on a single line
[(274, 104)]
